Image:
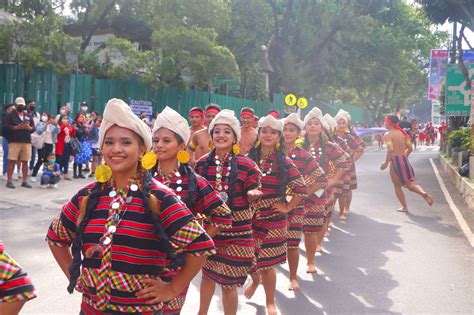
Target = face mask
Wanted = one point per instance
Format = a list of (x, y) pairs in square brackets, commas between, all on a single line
[(62, 112), (32, 108), (20, 108), (51, 161), (84, 109), (44, 118)]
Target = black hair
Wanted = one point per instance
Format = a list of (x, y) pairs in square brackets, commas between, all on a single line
[(255, 154), (199, 109), (212, 105), (247, 109), (92, 199), (393, 118), (30, 101)]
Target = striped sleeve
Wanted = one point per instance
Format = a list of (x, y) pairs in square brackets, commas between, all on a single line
[(184, 231), (211, 205), (338, 157), (314, 174), (62, 229), (252, 176), (296, 183)]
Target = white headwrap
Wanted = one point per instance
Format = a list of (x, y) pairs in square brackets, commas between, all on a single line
[(117, 112), (342, 114), (272, 122), (330, 121), (294, 119), (226, 117), (316, 113), (170, 119)]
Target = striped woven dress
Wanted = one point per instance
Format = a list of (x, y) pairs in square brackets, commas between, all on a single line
[(111, 276), (207, 206), (269, 226), (235, 246)]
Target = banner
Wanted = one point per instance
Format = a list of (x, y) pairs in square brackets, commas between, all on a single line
[(458, 101), (438, 62), (140, 106)]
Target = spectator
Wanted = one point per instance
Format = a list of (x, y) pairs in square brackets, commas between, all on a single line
[(48, 130), (31, 109), (85, 155), (5, 138), (51, 173), (21, 125), (63, 145), (94, 139)]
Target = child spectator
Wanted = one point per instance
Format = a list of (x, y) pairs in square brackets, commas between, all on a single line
[(51, 173)]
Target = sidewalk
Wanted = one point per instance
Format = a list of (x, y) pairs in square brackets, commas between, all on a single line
[(49, 199)]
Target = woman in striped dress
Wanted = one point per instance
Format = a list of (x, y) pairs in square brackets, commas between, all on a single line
[(355, 149), (236, 178), (170, 135), (312, 206), (331, 158), (126, 228), (280, 178)]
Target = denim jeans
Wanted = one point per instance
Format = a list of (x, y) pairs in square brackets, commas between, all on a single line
[(5, 155)]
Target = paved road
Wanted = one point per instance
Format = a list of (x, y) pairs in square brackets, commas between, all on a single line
[(380, 261)]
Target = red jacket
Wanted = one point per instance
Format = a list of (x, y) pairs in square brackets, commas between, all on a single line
[(62, 137)]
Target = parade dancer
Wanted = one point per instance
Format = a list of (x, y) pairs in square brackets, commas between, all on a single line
[(16, 287), (126, 228), (196, 118), (355, 148), (236, 178), (201, 142), (331, 158), (279, 176), (249, 133), (316, 180), (401, 172), (170, 135)]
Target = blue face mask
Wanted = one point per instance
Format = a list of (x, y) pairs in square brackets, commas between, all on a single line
[(51, 161)]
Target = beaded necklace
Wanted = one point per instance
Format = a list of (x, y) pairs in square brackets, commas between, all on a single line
[(313, 150), (166, 179), (222, 180), (263, 162)]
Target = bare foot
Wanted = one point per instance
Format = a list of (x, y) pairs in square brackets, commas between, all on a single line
[(271, 309), (402, 209), (428, 198), (311, 268), (250, 290), (326, 234), (319, 248), (342, 217), (294, 285)]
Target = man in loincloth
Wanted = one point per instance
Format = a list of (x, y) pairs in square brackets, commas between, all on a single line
[(196, 118), (201, 142), (249, 133), (401, 172)]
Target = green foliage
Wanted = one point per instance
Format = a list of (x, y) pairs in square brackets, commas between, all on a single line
[(460, 138), (439, 11)]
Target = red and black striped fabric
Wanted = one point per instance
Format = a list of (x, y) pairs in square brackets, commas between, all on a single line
[(403, 169), (15, 285), (235, 246), (134, 249)]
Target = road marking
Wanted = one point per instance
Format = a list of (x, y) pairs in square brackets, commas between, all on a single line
[(462, 223)]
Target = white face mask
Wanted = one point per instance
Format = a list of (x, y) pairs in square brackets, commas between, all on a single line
[(44, 118), (84, 109), (62, 112)]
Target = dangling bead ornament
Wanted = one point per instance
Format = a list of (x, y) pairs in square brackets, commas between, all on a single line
[(221, 186), (103, 173), (264, 161), (313, 150), (149, 160), (167, 179)]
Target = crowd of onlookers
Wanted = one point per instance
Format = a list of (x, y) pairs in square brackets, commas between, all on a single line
[(32, 141)]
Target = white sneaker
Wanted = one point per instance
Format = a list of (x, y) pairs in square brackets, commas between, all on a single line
[(33, 179), (44, 186), (55, 186)]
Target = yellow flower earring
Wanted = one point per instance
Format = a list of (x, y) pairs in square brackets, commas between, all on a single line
[(103, 173), (149, 160), (183, 156), (236, 149), (299, 143)]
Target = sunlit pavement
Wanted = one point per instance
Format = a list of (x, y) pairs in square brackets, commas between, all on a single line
[(379, 260)]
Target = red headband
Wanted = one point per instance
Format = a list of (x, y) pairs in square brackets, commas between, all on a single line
[(275, 114), (212, 110), (247, 113), (389, 122), (196, 112)]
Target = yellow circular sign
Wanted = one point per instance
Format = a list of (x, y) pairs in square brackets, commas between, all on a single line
[(302, 102), (290, 99)]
